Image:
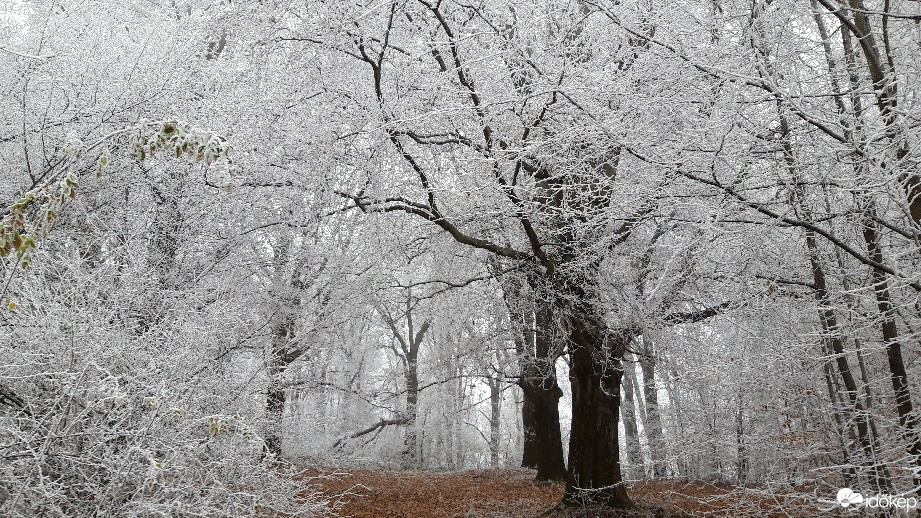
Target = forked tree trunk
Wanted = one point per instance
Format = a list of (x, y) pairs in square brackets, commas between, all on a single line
[(540, 412), (524, 348), (594, 477), (550, 465), (408, 354)]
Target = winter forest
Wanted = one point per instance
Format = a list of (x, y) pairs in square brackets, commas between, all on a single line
[(558, 258)]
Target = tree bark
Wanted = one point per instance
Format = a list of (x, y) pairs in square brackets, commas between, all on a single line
[(547, 394), (594, 477), (529, 448)]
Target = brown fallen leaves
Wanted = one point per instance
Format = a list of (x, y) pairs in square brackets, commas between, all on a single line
[(512, 493)]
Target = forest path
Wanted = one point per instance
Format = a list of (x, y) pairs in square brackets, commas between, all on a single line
[(512, 493)]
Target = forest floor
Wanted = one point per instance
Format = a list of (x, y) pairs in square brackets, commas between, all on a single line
[(513, 493)]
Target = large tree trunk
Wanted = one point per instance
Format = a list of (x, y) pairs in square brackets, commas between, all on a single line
[(281, 349), (285, 349), (594, 477)]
